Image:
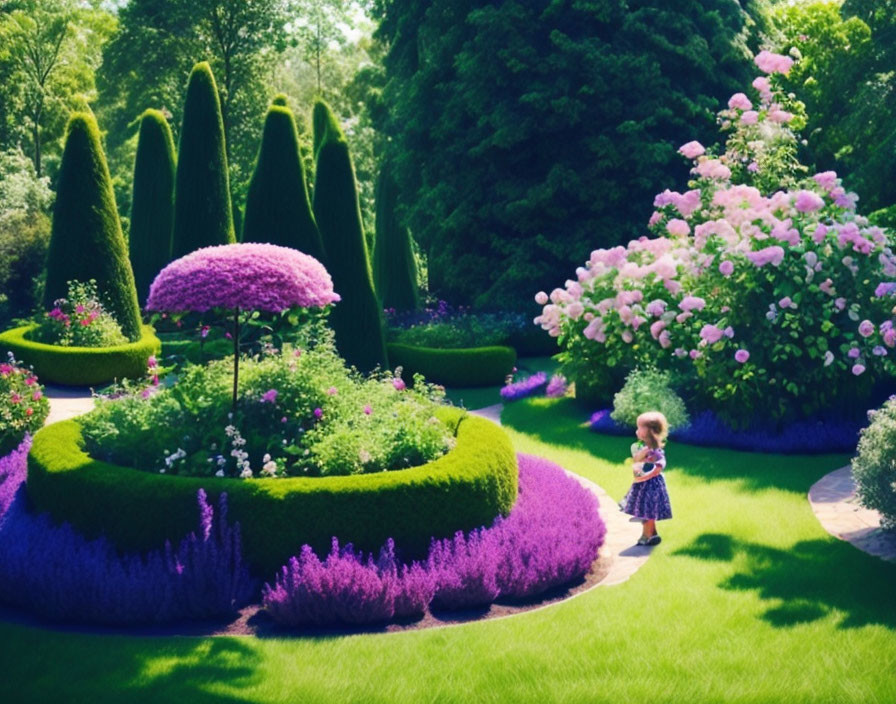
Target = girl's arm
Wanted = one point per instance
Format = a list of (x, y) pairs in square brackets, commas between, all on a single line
[(659, 465)]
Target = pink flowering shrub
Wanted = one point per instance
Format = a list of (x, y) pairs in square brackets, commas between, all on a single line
[(23, 406), (246, 276), (79, 320), (762, 290)]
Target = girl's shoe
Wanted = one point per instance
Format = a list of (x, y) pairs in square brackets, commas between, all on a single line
[(649, 541)]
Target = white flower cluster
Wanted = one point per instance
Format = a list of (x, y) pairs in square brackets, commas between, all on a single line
[(238, 453), (179, 454)]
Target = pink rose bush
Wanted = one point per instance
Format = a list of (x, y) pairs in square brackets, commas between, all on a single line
[(758, 281)]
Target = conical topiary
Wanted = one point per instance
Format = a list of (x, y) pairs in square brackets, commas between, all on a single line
[(357, 318), (86, 242), (202, 211), (277, 206), (394, 266), (324, 124), (152, 206)]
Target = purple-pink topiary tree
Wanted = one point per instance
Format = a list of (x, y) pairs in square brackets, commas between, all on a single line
[(239, 277)]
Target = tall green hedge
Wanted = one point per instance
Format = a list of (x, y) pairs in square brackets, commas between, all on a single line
[(152, 207), (86, 241), (357, 318), (203, 215), (277, 206), (394, 266)]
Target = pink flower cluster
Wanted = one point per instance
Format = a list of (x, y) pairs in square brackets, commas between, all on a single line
[(247, 276), (769, 62)]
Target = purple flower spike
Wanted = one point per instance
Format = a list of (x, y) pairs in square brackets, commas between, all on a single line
[(249, 276)]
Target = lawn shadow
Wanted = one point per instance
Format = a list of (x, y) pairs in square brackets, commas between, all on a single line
[(806, 582), (228, 661)]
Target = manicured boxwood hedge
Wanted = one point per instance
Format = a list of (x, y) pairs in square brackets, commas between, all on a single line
[(138, 511), (81, 366), (475, 366)]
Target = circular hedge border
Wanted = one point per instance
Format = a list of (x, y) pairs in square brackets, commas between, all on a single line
[(81, 366), (138, 511), (473, 366)]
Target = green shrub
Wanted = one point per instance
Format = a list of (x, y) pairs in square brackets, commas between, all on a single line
[(79, 320), (479, 366), (203, 216), (357, 318), (277, 206), (464, 489), (81, 366), (394, 266), (648, 390), (23, 406), (86, 242), (874, 467), (152, 206)]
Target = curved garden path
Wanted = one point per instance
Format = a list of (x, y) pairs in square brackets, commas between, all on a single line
[(835, 504)]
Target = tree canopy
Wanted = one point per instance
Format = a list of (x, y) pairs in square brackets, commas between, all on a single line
[(525, 134)]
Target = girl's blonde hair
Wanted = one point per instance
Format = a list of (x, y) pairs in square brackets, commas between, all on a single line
[(656, 425)]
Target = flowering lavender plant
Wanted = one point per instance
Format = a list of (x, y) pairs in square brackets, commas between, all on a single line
[(56, 573), (759, 301), (79, 320), (819, 434), (515, 390), (551, 537), (23, 406)]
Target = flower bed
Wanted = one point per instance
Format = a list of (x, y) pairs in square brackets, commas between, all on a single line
[(446, 327), (476, 366), (81, 366), (551, 537), (55, 573), (814, 435), (138, 511)]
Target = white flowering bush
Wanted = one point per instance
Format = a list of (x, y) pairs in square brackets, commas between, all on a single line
[(874, 466), (761, 301), (649, 390)]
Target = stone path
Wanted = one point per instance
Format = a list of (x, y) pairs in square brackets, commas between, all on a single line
[(622, 533), (834, 502), (67, 402)]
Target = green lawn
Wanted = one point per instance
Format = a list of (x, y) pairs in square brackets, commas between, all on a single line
[(746, 600)]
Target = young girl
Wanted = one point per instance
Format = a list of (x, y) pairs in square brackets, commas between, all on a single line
[(648, 499)]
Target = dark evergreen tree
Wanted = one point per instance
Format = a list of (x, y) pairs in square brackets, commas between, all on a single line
[(277, 206), (152, 205), (524, 134), (86, 241), (357, 318), (394, 266), (203, 215)]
